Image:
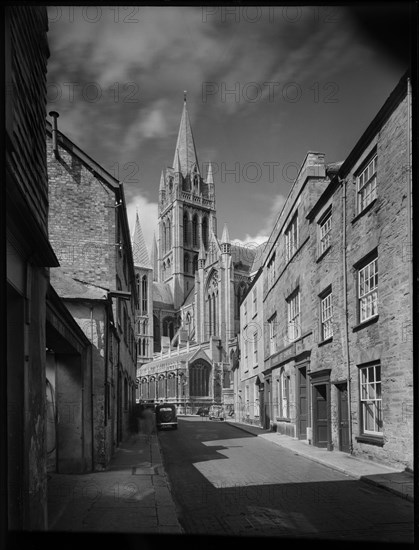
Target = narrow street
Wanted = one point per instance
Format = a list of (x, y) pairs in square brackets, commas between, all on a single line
[(227, 482)]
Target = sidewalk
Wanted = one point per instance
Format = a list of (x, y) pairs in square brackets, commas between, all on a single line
[(396, 481), (132, 496)]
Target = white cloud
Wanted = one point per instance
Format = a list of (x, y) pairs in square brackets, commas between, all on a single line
[(148, 214), (276, 205)]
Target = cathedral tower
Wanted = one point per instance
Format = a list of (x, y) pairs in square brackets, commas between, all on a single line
[(186, 214)]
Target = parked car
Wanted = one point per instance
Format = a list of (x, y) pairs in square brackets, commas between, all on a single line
[(216, 412), (202, 411), (166, 416)]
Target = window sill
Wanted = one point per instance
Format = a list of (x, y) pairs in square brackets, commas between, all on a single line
[(366, 323), (371, 439), (323, 254), (281, 419), (327, 341), (366, 209)]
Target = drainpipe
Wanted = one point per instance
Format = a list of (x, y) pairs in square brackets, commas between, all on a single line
[(345, 309), (409, 201), (91, 389), (54, 116)]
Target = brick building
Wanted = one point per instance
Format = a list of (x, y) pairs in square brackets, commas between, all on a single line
[(90, 235), (337, 297)]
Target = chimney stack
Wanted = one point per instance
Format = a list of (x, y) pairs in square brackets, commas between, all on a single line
[(54, 116)]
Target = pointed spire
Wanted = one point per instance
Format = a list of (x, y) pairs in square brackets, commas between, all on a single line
[(185, 145), (162, 182), (210, 180), (154, 257), (225, 239), (139, 248), (202, 256)]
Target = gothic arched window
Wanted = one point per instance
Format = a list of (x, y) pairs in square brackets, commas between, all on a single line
[(164, 235), (186, 263), (195, 264), (195, 231), (156, 334), (137, 282), (168, 236), (205, 232), (144, 291), (199, 375), (185, 229)]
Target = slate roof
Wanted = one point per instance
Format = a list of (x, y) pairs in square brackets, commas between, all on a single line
[(139, 248), (162, 293), (68, 287)]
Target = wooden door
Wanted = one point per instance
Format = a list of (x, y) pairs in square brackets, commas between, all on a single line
[(320, 415)]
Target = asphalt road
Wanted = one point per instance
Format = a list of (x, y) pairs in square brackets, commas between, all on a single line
[(228, 482)]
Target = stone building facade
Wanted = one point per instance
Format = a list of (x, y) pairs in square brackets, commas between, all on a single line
[(96, 279), (338, 284)]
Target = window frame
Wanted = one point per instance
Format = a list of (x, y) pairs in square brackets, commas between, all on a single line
[(377, 402), (325, 219), (295, 332), (363, 297), (363, 200), (273, 333), (291, 238), (326, 295)]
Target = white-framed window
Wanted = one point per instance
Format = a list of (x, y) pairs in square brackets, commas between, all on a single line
[(368, 290), (271, 271), (255, 349), (254, 302), (291, 238), (284, 390), (273, 332), (367, 184), (325, 229), (370, 398), (326, 307), (294, 317)]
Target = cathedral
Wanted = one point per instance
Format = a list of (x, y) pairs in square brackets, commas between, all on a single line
[(190, 289)]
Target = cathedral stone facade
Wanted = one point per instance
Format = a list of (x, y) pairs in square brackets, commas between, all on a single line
[(190, 290)]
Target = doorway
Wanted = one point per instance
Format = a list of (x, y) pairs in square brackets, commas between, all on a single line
[(320, 415)]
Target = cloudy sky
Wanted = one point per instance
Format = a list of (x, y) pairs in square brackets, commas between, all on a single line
[(264, 86)]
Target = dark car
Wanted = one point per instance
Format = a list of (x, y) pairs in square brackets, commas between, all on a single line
[(202, 411), (166, 416)]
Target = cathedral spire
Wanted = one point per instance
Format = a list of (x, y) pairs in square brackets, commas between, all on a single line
[(185, 145), (154, 257), (139, 248)]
